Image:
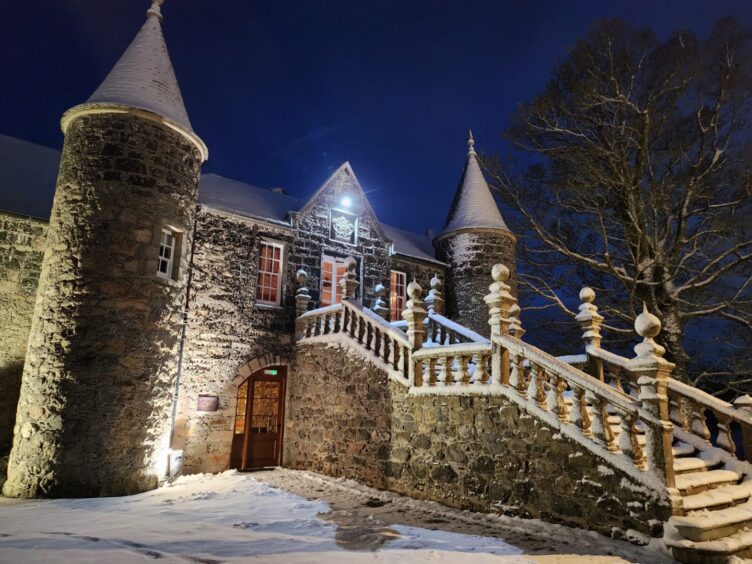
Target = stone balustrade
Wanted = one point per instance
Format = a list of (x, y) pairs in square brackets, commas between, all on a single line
[(688, 407), (453, 367)]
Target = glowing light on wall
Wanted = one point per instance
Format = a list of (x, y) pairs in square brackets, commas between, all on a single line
[(346, 201)]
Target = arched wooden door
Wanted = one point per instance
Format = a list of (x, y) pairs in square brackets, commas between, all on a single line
[(259, 420)]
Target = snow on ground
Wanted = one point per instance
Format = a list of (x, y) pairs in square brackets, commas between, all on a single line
[(285, 516)]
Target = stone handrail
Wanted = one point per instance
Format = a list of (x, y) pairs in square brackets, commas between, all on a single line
[(687, 404), (444, 331), (363, 326), (452, 367), (582, 404)]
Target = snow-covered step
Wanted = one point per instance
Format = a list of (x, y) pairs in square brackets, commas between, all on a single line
[(683, 449), (697, 482), (719, 497), (711, 525), (717, 551), (691, 464)]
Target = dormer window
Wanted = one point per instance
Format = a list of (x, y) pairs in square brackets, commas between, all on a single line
[(168, 248)]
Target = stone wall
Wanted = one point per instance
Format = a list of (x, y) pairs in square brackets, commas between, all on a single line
[(21, 252), (338, 418), (472, 452), (98, 383), (226, 330), (471, 255)]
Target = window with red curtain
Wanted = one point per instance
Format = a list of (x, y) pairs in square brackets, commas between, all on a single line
[(269, 286), (332, 271), (397, 294)]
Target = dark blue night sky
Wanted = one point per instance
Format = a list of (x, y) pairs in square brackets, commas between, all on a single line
[(283, 92)]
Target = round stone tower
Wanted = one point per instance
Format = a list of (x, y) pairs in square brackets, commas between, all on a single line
[(474, 238), (93, 417)]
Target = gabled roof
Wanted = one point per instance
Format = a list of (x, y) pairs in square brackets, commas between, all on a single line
[(143, 78), (28, 173), (237, 197), (473, 205), (411, 244)]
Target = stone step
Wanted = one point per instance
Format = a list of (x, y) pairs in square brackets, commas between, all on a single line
[(720, 497), (696, 482), (692, 464), (718, 551), (712, 525), (683, 449)]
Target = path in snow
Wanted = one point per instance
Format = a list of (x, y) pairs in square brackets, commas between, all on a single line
[(285, 516)]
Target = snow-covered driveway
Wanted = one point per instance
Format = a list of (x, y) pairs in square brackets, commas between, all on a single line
[(234, 517)]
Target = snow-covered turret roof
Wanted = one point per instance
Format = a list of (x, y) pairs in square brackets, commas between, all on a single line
[(143, 79), (473, 205)]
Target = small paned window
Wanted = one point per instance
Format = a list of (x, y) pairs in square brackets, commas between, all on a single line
[(240, 409), (269, 286), (332, 271), (167, 249), (397, 294)]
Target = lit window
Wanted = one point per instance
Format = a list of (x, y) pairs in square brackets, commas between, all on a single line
[(332, 271), (397, 294), (167, 249), (269, 286), (240, 409)]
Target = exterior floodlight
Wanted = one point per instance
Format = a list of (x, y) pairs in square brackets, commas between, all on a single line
[(346, 201)]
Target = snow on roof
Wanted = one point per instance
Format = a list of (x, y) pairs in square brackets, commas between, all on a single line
[(473, 204), (143, 78), (410, 244), (28, 173), (238, 197)]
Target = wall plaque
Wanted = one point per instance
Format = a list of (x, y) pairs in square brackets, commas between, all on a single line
[(208, 403), (343, 227)]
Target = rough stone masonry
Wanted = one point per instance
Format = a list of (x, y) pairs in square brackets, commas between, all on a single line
[(103, 348)]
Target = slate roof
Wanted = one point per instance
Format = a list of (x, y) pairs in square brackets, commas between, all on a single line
[(143, 78), (28, 173), (473, 205), (234, 196)]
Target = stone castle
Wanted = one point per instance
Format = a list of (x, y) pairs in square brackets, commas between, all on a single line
[(165, 321)]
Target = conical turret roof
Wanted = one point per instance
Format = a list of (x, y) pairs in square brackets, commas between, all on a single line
[(473, 205), (143, 79)]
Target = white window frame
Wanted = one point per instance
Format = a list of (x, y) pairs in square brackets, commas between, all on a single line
[(336, 288), (169, 261), (279, 274), (393, 297)]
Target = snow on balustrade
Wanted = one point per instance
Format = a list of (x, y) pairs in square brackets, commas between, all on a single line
[(687, 406)]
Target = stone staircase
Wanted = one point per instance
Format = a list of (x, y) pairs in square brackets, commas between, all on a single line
[(628, 412)]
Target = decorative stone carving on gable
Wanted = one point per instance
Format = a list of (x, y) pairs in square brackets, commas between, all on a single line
[(343, 227)]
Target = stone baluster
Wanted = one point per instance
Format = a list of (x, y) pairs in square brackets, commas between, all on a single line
[(580, 414), (435, 299), (303, 294), (536, 388), (725, 438), (629, 443), (698, 424), (462, 376), (431, 371), (480, 373), (349, 282), (744, 403), (379, 306), (590, 321), (652, 372), (445, 374), (562, 409)]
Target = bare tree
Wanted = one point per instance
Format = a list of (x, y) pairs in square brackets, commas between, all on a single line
[(631, 174)]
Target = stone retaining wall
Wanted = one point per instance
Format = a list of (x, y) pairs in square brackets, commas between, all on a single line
[(21, 253), (472, 452)]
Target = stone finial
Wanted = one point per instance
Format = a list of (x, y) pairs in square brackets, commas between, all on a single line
[(349, 282), (589, 318), (470, 143), (155, 9), (415, 314), (499, 300), (648, 326), (515, 323), (744, 402), (303, 294), (435, 298), (379, 306)]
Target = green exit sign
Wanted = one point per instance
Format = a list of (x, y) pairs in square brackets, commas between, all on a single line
[(271, 371)]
